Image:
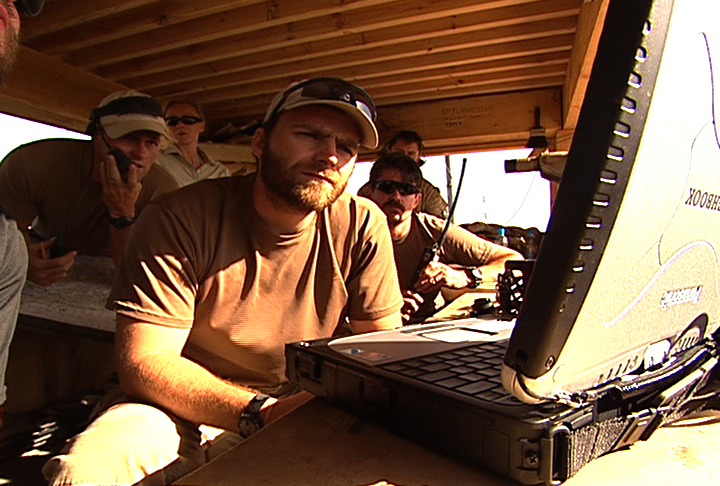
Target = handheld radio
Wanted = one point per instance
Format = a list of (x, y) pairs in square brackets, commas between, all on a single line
[(431, 253)]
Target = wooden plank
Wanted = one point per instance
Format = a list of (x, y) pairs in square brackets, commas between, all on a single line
[(118, 25), (64, 14), (413, 58), (252, 93), (318, 444), (44, 89), (587, 37), (250, 22), (434, 36), (481, 118), (394, 18), (226, 152)]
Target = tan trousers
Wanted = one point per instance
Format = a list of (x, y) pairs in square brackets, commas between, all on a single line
[(136, 444)]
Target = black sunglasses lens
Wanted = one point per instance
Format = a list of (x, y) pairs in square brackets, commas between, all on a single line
[(389, 187), (187, 120)]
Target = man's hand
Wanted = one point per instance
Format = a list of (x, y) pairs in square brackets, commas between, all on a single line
[(48, 271), (119, 195), (411, 304), (437, 275)]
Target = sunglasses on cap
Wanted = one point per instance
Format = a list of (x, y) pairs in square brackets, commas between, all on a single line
[(30, 7), (334, 89), (404, 188), (186, 119)]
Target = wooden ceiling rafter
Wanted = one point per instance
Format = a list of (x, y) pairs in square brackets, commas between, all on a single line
[(232, 56)]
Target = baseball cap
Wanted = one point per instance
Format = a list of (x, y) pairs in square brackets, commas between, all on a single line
[(123, 112), (344, 95)]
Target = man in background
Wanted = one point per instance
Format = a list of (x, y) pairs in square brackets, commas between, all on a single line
[(410, 143), (183, 159), (74, 197), (464, 260)]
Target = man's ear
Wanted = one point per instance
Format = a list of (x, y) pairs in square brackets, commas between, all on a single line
[(258, 142)]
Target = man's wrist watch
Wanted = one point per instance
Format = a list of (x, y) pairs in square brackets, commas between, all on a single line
[(476, 277), (251, 421), (121, 222)]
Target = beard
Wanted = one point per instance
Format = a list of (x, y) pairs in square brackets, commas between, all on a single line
[(294, 188), (8, 51)]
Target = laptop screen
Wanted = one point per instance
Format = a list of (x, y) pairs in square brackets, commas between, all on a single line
[(628, 271)]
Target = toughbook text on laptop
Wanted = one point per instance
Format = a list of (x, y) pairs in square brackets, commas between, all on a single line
[(616, 333)]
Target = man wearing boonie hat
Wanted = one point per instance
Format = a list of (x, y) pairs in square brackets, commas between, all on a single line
[(218, 276), (82, 197)]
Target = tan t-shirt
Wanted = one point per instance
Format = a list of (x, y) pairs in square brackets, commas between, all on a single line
[(200, 258), (175, 163), (50, 180), (461, 247)]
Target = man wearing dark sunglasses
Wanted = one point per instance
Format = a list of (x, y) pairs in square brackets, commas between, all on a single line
[(465, 260), (183, 158), (221, 274), (410, 143)]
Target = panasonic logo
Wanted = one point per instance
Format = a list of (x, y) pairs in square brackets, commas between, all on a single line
[(680, 296)]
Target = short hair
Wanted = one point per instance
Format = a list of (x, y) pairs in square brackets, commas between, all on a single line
[(399, 161), (409, 136), (183, 102)]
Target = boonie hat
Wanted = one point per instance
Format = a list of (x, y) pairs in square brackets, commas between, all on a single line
[(123, 112), (350, 98)]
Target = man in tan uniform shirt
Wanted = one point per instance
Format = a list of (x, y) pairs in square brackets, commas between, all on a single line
[(410, 143), (464, 259), (219, 275)]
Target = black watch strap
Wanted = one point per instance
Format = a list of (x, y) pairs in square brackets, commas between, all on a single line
[(251, 421), (476, 277), (121, 222)]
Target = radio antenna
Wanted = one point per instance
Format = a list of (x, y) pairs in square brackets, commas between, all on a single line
[(431, 253)]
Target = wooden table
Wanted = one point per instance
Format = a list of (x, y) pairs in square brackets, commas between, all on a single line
[(63, 343), (320, 445)]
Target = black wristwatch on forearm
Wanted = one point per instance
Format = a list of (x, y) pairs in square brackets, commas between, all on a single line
[(475, 275), (120, 222), (251, 421)]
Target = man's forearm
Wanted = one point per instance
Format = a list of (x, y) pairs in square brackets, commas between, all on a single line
[(151, 367), (184, 388)]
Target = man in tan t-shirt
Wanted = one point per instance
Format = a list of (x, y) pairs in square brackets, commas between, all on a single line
[(410, 143), (77, 197), (464, 259), (220, 275)]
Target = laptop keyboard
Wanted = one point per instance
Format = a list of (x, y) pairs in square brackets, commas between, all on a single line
[(473, 371)]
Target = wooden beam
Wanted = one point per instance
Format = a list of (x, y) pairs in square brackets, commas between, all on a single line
[(364, 71), (46, 90), (468, 31), (133, 19), (396, 17), (409, 59), (480, 118), (587, 36)]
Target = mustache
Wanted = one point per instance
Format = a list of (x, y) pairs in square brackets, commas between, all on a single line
[(323, 170), (394, 203)]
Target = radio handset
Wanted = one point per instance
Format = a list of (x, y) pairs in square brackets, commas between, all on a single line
[(121, 160), (431, 253)]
